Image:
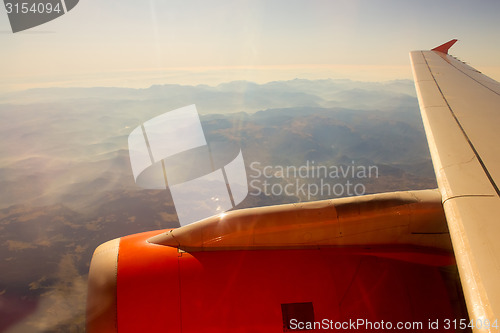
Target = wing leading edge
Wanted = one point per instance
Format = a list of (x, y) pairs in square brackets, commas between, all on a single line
[(461, 112)]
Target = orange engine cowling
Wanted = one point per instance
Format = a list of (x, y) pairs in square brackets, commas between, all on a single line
[(350, 263), (157, 288)]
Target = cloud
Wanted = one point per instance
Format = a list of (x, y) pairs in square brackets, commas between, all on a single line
[(61, 306), (18, 245)]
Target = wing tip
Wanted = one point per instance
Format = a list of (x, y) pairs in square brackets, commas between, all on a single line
[(445, 47)]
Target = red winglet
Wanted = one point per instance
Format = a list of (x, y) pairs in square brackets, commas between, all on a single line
[(445, 47)]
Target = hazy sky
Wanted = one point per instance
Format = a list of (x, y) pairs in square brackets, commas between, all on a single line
[(137, 43)]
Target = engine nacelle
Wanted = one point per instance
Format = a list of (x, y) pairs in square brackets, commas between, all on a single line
[(136, 285)]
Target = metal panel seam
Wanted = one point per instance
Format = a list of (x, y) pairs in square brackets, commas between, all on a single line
[(461, 71), (468, 196), (485, 169)]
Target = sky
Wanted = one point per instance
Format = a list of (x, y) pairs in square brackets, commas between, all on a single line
[(130, 43)]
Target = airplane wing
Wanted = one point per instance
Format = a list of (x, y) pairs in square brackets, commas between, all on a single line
[(461, 112)]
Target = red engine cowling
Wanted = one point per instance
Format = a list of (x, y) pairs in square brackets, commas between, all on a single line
[(161, 289)]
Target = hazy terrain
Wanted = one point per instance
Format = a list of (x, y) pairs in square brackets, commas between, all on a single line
[(67, 185)]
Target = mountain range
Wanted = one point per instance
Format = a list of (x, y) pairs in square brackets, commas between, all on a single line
[(67, 183)]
